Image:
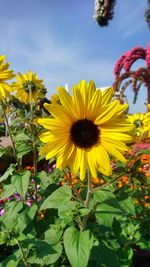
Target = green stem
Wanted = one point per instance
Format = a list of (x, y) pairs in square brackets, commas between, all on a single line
[(33, 135), (22, 252), (107, 183), (87, 200), (34, 152), (89, 192)]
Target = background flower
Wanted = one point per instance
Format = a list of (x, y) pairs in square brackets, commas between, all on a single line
[(5, 75), (27, 84), (141, 122)]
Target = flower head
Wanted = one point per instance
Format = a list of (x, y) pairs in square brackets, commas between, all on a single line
[(28, 87), (141, 122), (5, 75), (85, 129)]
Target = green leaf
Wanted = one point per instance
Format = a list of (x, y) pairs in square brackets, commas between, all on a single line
[(53, 235), (2, 151), (11, 214), (13, 260), (58, 199), (8, 190), (77, 246), (26, 217), (104, 256), (21, 182), (22, 137), (125, 256), (108, 207), (128, 205), (43, 179), (10, 261), (70, 212), (143, 243), (3, 236), (9, 172), (103, 195), (143, 151), (43, 253), (22, 150), (16, 121)]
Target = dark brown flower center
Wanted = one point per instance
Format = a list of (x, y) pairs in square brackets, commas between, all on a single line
[(29, 86), (138, 123), (84, 133)]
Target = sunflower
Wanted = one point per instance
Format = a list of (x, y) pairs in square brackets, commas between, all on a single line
[(141, 122), (5, 75), (28, 87), (85, 129)]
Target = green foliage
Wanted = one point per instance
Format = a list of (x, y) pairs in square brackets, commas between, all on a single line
[(21, 182), (8, 173), (78, 245), (107, 208), (104, 256), (2, 151), (23, 149), (143, 152), (50, 225), (41, 252), (58, 199)]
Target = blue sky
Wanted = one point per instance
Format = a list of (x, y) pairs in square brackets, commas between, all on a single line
[(60, 40)]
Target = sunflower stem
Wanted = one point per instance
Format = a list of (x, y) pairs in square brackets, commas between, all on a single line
[(34, 152), (89, 192), (88, 198), (33, 135)]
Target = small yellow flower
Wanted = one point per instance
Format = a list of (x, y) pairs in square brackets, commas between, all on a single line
[(85, 129), (5, 75), (28, 87)]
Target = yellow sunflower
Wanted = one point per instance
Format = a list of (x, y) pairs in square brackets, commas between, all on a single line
[(85, 129), (5, 75), (28, 87), (141, 122)]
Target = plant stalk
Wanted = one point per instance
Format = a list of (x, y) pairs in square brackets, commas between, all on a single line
[(88, 197), (89, 192), (22, 252), (33, 135)]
